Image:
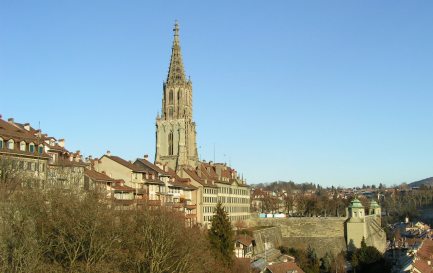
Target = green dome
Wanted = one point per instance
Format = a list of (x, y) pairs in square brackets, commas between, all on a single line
[(355, 203), (374, 204)]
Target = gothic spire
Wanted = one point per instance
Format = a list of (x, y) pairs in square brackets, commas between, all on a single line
[(176, 72)]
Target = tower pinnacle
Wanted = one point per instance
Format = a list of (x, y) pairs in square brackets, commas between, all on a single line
[(176, 72), (176, 32)]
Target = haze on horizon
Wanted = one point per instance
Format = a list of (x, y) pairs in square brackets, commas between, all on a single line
[(334, 93)]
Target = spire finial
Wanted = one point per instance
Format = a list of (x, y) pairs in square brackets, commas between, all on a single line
[(176, 31)]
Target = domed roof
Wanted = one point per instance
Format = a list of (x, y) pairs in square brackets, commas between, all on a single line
[(374, 204), (355, 203)]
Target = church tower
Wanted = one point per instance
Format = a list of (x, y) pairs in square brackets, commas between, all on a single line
[(175, 129)]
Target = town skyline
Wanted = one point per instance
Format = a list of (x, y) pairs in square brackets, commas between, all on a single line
[(315, 141)]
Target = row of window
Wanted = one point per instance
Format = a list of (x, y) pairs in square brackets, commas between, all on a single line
[(10, 144), (237, 200), (28, 166), (211, 209), (232, 218), (174, 190), (207, 209), (210, 199), (210, 191), (227, 190)]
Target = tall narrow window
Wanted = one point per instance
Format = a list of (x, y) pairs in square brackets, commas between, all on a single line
[(22, 146), (32, 147), (1, 143), (170, 143), (170, 97), (11, 144), (41, 149), (170, 113)]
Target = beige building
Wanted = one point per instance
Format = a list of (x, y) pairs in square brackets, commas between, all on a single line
[(359, 226), (146, 185), (219, 183)]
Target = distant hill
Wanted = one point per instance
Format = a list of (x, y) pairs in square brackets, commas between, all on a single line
[(427, 182)]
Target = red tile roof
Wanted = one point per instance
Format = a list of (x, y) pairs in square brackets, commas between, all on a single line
[(125, 163), (422, 266), (152, 166), (97, 176)]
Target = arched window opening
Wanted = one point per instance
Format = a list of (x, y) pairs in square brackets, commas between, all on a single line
[(40, 149), (11, 144), (170, 144), (170, 97), (22, 146), (31, 147)]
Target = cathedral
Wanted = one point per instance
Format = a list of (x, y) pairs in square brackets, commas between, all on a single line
[(176, 149), (175, 129)]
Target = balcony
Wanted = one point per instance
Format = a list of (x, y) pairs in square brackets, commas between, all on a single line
[(191, 207)]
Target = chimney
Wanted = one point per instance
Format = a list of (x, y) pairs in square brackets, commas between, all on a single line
[(11, 120), (146, 157), (108, 153), (27, 126), (61, 143), (90, 157)]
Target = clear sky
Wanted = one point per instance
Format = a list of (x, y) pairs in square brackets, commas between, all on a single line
[(330, 92)]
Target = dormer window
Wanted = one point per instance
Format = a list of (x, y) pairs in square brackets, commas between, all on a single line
[(11, 144), (40, 149), (31, 147), (22, 146)]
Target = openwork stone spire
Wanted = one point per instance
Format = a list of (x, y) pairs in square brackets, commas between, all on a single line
[(176, 72)]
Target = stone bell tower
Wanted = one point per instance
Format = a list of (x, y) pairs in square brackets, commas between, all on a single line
[(175, 129)]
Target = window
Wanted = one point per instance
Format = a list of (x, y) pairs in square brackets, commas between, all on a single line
[(170, 97), (32, 147), (170, 113), (40, 149), (1, 143), (22, 146), (11, 144), (170, 144)]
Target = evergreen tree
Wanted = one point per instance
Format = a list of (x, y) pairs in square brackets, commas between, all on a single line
[(221, 235)]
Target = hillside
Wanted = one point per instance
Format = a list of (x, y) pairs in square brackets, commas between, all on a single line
[(427, 182)]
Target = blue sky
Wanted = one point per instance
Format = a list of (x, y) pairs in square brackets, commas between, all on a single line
[(330, 92)]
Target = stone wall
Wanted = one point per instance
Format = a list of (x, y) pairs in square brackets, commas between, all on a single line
[(375, 235), (269, 237), (324, 234)]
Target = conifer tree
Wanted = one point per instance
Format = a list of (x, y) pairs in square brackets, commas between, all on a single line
[(221, 235)]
